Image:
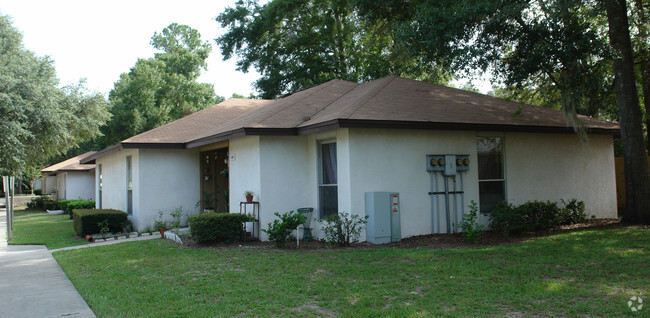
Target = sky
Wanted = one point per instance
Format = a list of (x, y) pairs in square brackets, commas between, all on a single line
[(99, 40)]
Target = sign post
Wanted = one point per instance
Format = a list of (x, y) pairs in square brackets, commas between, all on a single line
[(8, 183)]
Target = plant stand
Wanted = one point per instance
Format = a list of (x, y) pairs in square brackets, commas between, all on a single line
[(243, 206)]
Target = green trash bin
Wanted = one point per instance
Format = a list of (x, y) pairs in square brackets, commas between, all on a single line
[(307, 212)]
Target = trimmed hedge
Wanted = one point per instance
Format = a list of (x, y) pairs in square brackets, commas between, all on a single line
[(77, 205), (213, 227), (86, 221)]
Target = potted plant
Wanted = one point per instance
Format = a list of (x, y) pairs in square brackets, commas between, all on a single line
[(160, 224), (249, 196)]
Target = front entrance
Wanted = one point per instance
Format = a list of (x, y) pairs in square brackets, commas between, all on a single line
[(214, 180)]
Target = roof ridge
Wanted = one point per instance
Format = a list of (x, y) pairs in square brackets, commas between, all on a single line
[(315, 89), (332, 102), (366, 97)]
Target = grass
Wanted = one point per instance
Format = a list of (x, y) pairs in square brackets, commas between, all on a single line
[(23, 210), (54, 231), (582, 273)]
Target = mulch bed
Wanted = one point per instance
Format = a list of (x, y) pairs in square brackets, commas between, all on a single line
[(430, 241)]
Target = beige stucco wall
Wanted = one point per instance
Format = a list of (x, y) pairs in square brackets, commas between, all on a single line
[(114, 179), (556, 166), (168, 179)]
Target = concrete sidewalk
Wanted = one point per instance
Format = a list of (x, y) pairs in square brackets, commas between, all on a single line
[(32, 284)]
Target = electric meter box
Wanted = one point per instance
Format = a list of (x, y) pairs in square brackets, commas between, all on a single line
[(383, 211)]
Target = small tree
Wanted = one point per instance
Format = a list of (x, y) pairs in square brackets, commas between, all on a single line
[(343, 229)]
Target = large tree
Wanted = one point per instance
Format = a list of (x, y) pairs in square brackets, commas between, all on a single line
[(295, 44), (637, 184), (161, 89), (39, 118)]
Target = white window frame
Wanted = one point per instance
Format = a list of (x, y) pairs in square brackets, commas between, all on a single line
[(320, 175), (503, 168)]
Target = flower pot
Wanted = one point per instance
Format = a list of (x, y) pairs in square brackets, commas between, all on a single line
[(249, 198), (162, 232), (90, 238)]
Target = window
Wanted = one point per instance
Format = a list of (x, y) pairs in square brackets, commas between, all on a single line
[(491, 174), (327, 187), (100, 185), (129, 186)]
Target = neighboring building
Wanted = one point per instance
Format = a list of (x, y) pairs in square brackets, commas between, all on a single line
[(70, 180), (326, 146)]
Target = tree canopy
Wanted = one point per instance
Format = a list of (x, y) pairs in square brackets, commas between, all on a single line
[(295, 44), (161, 89), (39, 118)]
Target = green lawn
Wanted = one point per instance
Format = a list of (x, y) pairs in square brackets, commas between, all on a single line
[(23, 210), (54, 231), (585, 273)]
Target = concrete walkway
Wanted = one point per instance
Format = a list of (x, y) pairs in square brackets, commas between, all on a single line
[(32, 284)]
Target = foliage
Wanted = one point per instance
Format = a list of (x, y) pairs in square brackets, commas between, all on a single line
[(573, 212), (535, 216), (159, 222), (161, 89), (343, 229), (554, 53), (39, 119), (176, 216), (471, 229), (544, 276), (86, 221), (249, 193), (50, 205), (31, 173), (77, 204), (298, 44), (216, 227), (281, 227), (38, 201), (103, 228)]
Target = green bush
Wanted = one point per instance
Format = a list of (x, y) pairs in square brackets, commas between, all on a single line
[(86, 221), (342, 228), (37, 202), (279, 230), (216, 227), (535, 216), (38, 192), (78, 205), (573, 212), (50, 205), (540, 215), (471, 229), (506, 219), (63, 204)]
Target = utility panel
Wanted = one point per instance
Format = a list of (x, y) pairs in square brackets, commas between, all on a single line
[(447, 164), (383, 211)]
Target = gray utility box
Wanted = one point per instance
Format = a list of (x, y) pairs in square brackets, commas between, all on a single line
[(383, 211)]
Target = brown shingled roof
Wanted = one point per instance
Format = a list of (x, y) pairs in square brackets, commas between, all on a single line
[(72, 164), (389, 102)]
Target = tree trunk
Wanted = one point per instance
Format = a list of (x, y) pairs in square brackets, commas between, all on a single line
[(637, 183), (644, 63)]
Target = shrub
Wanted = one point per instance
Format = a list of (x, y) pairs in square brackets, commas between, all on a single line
[(38, 192), (213, 227), (506, 219), (573, 212), (37, 202), (86, 221), (343, 229), (279, 230), (63, 205), (539, 215), (78, 205), (535, 216), (50, 205), (471, 229)]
